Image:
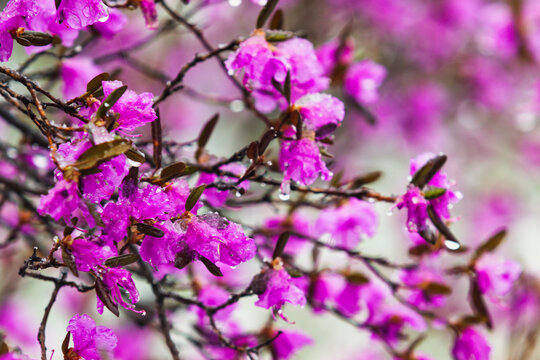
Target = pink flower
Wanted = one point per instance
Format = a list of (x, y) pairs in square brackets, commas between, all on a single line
[(496, 275), (135, 109), (78, 14), (62, 201), (114, 24), (320, 110), (278, 289), (262, 63), (216, 197), (289, 343), (12, 17), (89, 340), (161, 250), (76, 73), (363, 79), (300, 161), (219, 239), (327, 56), (471, 345), (415, 203), (348, 223), (114, 278), (89, 255)]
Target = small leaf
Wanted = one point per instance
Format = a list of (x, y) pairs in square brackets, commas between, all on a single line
[(65, 343), (478, 304), (96, 83), (336, 179), (434, 193), (109, 102), (435, 288), (121, 260), (150, 230), (324, 152), (253, 151), (135, 155), (194, 197), (365, 179), (104, 295), (491, 244), (287, 87), (265, 13), (207, 130), (279, 35), (276, 23), (428, 235), (101, 152), (294, 273), (69, 261), (4, 349), (211, 267), (325, 130), (420, 250), (266, 139), (34, 38), (280, 245), (426, 172), (172, 171), (357, 279), (451, 242), (183, 259)]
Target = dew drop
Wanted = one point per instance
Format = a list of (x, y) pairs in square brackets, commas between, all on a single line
[(390, 212), (285, 190), (371, 200), (452, 245), (238, 194), (236, 106), (235, 3), (133, 163), (106, 104), (459, 195), (78, 48)]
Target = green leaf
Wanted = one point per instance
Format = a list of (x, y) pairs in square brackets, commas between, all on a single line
[(478, 304), (34, 38), (294, 273), (194, 197), (287, 87), (211, 267), (253, 151), (135, 155), (451, 242), (265, 13), (101, 152), (96, 82), (121, 260), (357, 279), (365, 179), (104, 295), (434, 193), (266, 139), (276, 23), (150, 230), (69, 261), (280, 245), (435, 288), (279, 35), (65, 343), (172, 171), (426, 172), (491, 244), (109, 102), (207, 130)]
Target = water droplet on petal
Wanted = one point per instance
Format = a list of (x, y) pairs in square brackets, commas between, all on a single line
[(452, 245)]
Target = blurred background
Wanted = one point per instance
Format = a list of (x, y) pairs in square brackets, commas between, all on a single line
[(462, 79)]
